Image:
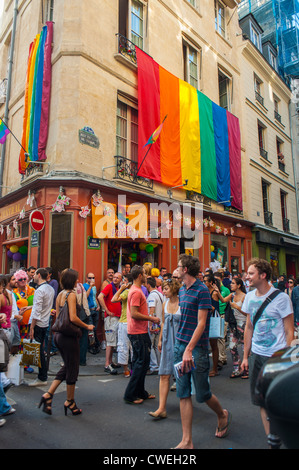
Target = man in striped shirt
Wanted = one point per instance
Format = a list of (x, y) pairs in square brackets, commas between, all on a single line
[(192, 348)]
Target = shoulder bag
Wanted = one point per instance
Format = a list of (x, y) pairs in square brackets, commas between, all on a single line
[(264, 305), (63, 324)]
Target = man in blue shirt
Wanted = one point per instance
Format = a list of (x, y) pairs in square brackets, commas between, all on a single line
[(192, 347)]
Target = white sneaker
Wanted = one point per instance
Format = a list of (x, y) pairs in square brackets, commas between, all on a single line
[(37, 383), (2, 422)]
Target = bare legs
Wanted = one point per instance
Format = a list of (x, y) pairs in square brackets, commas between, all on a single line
[(186, 409), (163, 393)]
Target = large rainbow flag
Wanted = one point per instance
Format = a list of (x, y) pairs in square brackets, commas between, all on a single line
[(200, 141), (37, 98)]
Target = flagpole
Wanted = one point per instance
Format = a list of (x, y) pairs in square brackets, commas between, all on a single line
[(143, 159), (14, 136), (151, 144)]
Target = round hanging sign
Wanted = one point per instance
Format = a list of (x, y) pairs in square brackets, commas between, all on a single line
[(37, 221)]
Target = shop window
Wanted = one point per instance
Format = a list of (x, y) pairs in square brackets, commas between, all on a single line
[(61, 242), (219, 249)]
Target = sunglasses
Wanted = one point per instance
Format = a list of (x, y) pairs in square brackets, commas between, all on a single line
[(90, 277)]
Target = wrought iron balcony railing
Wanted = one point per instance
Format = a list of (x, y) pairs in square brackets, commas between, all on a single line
[(263, 153), (259, 98), (282, 166), (277, 116), (126, 170), (126, 48), (286, 225), (268, 218), (196, 197)]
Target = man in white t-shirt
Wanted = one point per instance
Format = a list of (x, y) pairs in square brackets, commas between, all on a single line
[(155, 306), (273, 331)]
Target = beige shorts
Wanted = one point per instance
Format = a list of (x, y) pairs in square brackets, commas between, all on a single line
[(111, 325)]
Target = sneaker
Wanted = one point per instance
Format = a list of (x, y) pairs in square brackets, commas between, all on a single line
[(2, 422), (115, 366), (28, 369), (127, 373), (9, 412), (103, 345), (173, 387), (109, 369), (37, 382)]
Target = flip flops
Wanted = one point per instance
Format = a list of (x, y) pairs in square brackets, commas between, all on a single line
[(225, 428)]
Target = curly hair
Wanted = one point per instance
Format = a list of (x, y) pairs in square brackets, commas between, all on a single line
[(21, 274), (262, 266), (174, 285)]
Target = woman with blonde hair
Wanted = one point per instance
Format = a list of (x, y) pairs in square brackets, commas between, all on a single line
[(170, 322)]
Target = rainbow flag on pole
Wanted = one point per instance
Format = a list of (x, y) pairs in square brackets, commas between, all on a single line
[(37, 98), (200, 141), (3, 132)]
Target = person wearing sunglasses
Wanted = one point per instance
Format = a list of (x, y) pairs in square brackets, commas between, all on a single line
[(94, 308), (24, 296)]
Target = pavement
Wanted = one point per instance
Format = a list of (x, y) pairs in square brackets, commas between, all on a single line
[(95, 364)]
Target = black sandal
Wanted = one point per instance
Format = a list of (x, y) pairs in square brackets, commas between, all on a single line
[(72, 407), (47, 403)]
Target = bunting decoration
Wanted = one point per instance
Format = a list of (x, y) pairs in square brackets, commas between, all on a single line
[(37, 99), (200, 141)]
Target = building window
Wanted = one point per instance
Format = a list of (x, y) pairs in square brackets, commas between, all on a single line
[(48, 11), (284, 213), (277, 116), (258, 90), (224, 90), (255, 37), (126, 131), (192, 2), (131, 21), (273, 60), (280, 155), (261, 138), (190, 56), (266, 205), (220, 18)]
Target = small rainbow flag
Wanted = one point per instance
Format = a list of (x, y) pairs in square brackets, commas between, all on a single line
[(3, 132), (154, 137)]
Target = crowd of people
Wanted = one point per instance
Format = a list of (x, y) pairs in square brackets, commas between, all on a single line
[(152, 319)]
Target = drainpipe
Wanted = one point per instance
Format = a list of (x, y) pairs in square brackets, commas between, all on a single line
[(6, 112)]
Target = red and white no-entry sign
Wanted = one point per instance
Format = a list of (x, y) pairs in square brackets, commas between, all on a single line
[(37, 221)]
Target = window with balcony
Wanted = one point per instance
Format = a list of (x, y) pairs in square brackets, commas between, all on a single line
[(261, 130), (191, 64), (284, 214), (268, 218), (258, 85), (126, 158), (224, 85), (220, 18), (280, 155), (131, 21), (277, 116)]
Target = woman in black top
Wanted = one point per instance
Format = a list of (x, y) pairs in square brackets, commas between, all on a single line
[(68, 346)]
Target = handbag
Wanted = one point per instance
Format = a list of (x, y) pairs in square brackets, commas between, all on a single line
[(63, 324), (231, 320), (31, 353), (4, 351), (216, 326)]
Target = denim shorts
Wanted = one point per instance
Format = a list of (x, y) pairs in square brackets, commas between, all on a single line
[(200, 375)]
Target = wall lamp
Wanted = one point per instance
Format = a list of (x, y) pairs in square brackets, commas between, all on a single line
[(169, 191)]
